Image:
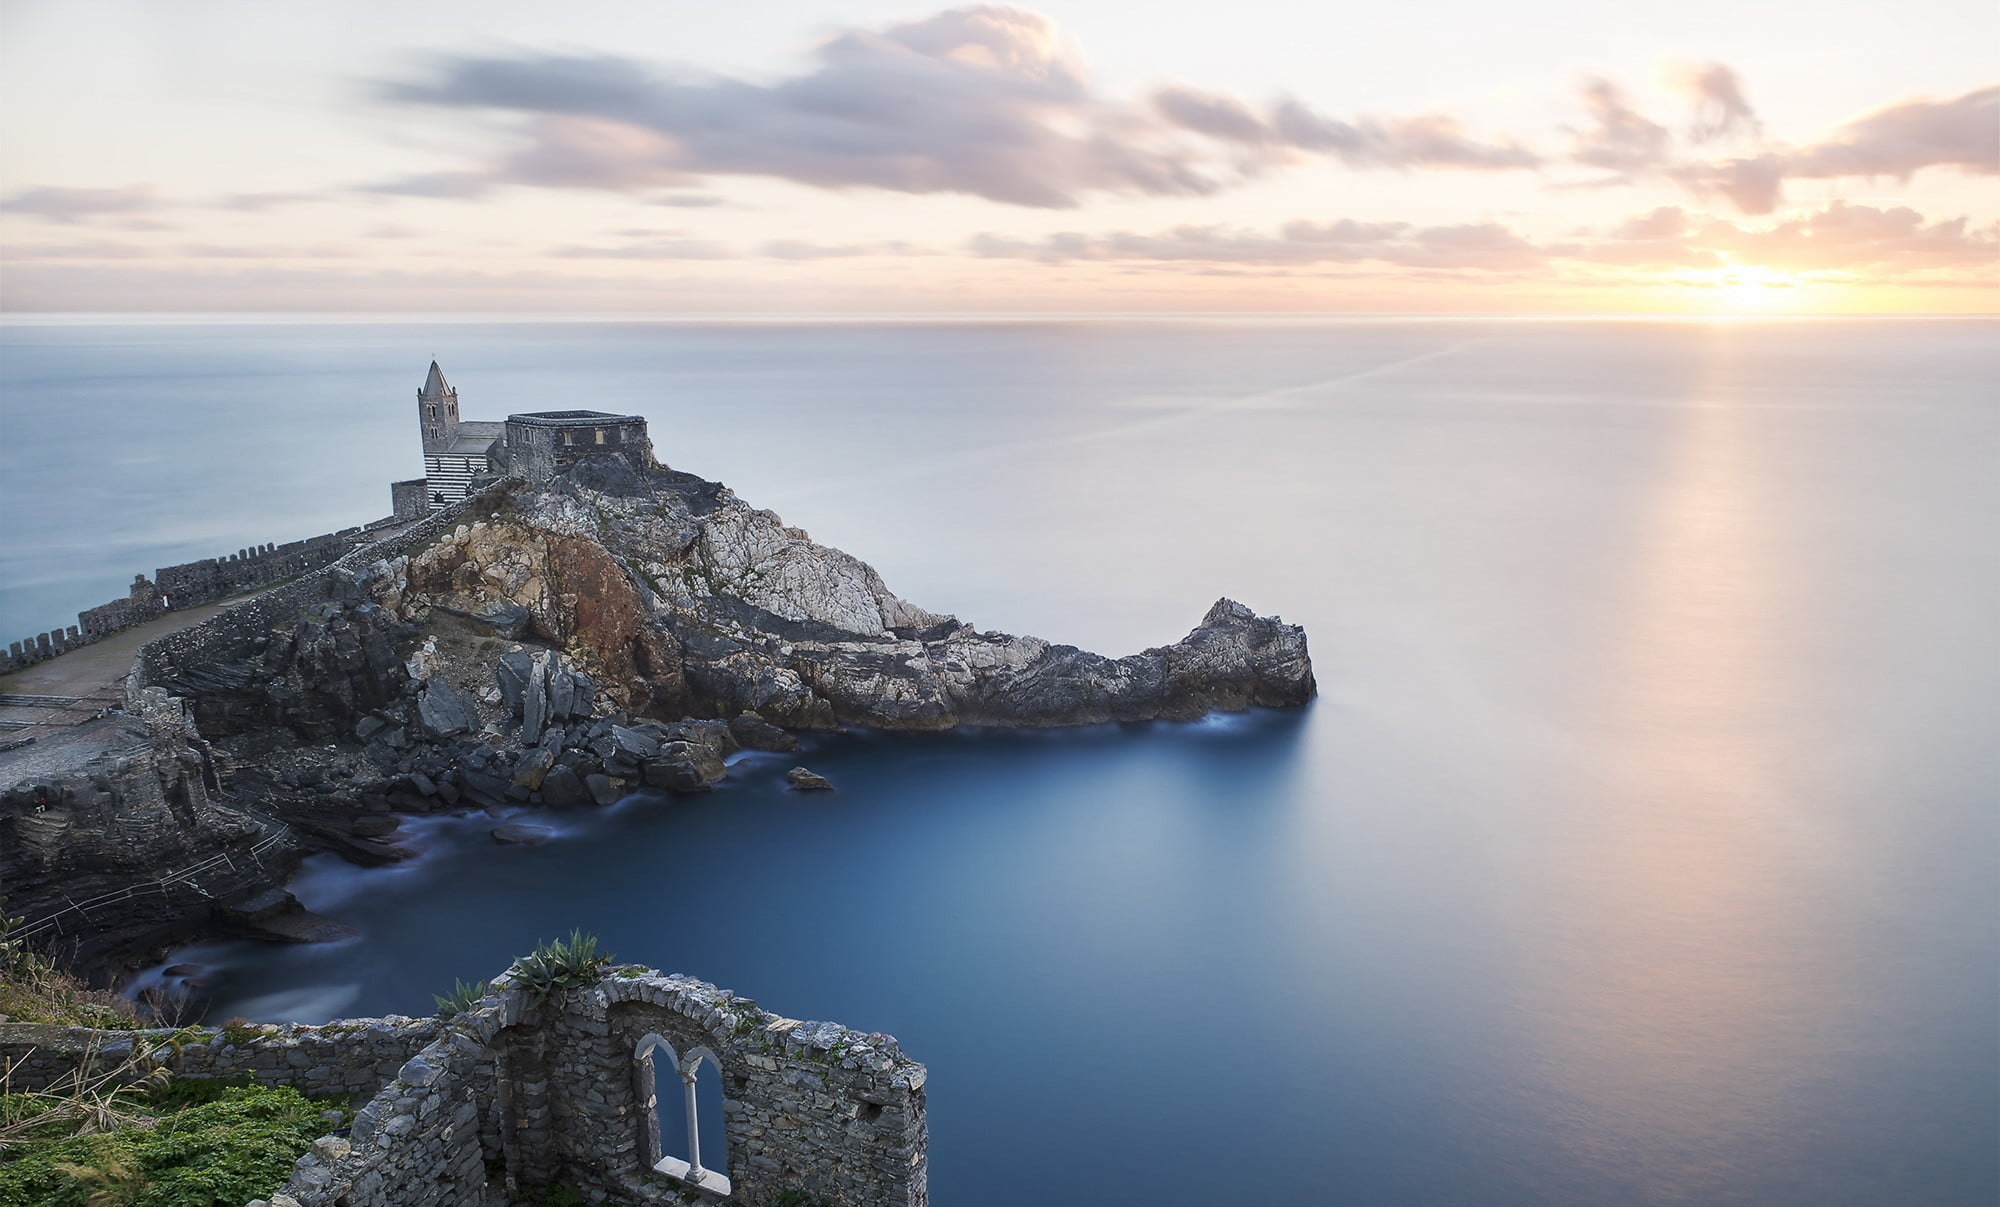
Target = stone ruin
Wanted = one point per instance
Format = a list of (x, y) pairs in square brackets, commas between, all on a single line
[(519, 1093)]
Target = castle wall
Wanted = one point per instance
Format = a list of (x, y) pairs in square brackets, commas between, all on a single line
[(410, 500), (205, 643), (536, 448), (188, 585)]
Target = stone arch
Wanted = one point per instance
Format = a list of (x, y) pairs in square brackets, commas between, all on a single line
[(698, 1168)]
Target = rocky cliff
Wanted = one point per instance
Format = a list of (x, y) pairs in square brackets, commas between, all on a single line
[(559, 644), (115, 836), (682, 600)]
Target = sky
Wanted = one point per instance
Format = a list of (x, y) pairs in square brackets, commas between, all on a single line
[(788, 157)]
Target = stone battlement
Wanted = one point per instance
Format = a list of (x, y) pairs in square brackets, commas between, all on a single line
[(189, 585)]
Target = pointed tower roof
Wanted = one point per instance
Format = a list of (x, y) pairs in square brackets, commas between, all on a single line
[(434, 386)]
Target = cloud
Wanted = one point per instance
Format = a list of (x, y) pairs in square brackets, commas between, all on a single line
[(672, 248), (1862, 238), (1963, 133), (1484, 246), (456, 185), (96, 250), (1753, 185), (254, 203), (1720, 108), (1428, 140), (794, 249), (1619, 137), (58, 204), (1884, 244), (688, 201), (989, 101)]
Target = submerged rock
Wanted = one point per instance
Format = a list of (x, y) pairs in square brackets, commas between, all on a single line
[(804, 780), (521, 834)]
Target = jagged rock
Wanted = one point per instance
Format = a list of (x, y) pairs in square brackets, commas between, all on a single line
[(634, 744), (562, 789), (442, 711), (512, 674), (753, 732), (602, 790), (705, 759), (375, 827), (535, 699), (368, 727), (533, 768), (486, 791), (805, 780), (675, 775), (521, 834)]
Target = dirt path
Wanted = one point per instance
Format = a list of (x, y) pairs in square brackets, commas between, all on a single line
[(73, 687)]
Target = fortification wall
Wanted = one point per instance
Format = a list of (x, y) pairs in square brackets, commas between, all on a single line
[(188, 585), (201, 642)]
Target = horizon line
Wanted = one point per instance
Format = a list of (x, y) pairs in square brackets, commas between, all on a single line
[(26, 318)]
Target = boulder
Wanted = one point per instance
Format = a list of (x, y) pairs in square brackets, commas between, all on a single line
[(804, 780), (533, 768), (563, 789), (520, 834), (443, 711), (603, 789), (753, 732), (634, 744), (675, 775)]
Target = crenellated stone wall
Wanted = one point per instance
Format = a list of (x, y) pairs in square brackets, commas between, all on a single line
[(191, 584)]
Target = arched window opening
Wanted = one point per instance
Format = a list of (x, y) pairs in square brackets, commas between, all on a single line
[(681, 1103)]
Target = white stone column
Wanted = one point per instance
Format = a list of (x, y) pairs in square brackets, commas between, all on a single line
[(695, 1171)]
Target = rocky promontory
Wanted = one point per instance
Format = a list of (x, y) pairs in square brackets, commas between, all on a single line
[(567, 642)]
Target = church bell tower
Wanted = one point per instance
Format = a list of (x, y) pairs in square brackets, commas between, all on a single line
[(437, 411)]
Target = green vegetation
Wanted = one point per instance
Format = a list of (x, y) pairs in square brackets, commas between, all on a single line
[(118, 1132), (561, 964), (33, 990), (464, 996), (179, 1144)]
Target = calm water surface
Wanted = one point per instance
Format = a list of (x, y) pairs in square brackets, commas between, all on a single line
[(1641, 848)]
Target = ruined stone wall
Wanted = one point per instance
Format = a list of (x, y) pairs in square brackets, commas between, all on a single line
[(339, 1059), (519, 1093)]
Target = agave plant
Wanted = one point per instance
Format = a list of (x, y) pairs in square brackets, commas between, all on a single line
[(560, 964), (464, 996)]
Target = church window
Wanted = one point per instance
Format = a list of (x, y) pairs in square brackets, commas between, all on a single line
[(569, 437), (600, 435), (666, 1124)]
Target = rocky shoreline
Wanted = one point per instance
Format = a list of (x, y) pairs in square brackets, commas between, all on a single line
[(561, 644)]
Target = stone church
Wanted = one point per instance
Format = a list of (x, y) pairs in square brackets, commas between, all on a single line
[(460, 455)]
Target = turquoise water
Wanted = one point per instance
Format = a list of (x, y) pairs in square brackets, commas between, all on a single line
[(1640, 848)]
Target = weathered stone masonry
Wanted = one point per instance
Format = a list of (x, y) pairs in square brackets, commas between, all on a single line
[(189, 585), (519, 1093)]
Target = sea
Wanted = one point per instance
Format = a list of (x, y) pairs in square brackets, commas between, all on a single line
[(1641, 847)]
